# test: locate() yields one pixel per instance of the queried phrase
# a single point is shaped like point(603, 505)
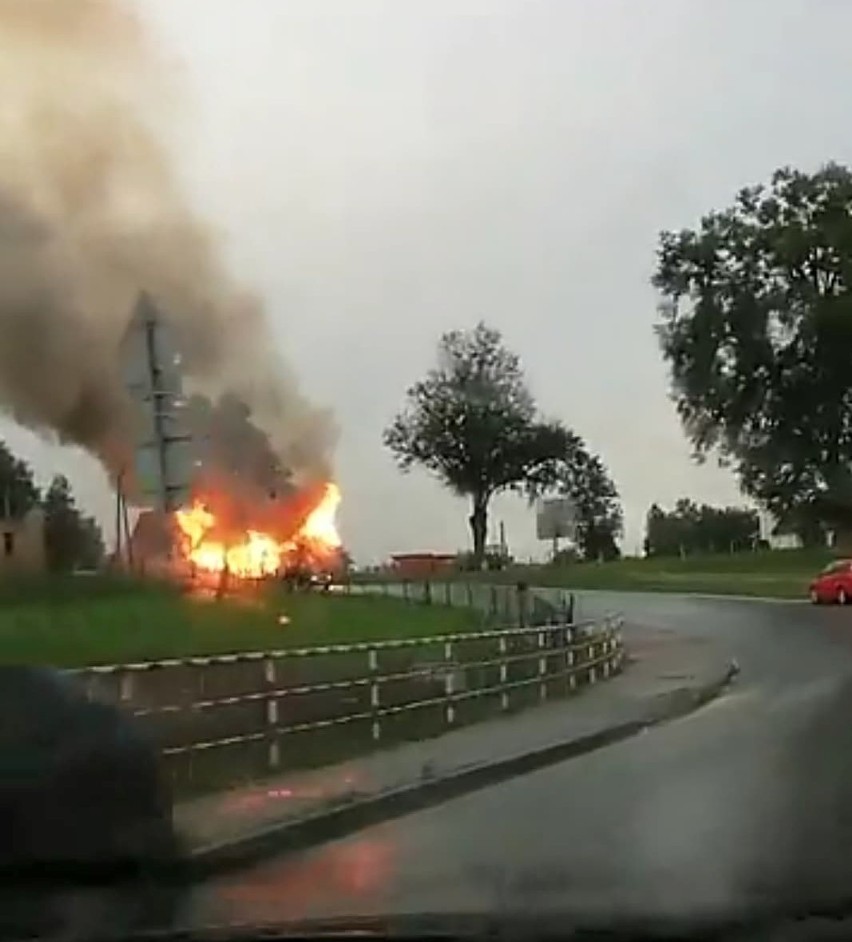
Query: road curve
point(748, 801)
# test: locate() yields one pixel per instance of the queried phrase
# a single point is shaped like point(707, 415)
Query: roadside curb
point(345, 818)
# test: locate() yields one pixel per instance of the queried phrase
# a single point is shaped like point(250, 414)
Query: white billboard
point(556, 519)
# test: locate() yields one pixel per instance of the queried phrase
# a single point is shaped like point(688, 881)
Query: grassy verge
point(778, 574)
point(86, 620)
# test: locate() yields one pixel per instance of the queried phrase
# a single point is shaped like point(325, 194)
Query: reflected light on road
point(342, 878)
point(267, 799)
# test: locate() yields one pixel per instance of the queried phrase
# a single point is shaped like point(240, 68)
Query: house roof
point(152, 535)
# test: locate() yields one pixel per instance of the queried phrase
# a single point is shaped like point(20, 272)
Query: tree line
point(689, 529)
point(72, 540)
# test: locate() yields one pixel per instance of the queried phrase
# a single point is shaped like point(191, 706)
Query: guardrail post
point(89, 684)
point(450, 712)
point(373, 663)
point(542, 668)
point(593, 675)
point(427, 592)
point(523, 598)
point(618, 644)
point(125, 687)
point(570, 660)
point(448, 593)
point(504, 673)
point(194, 693)
point(270, 676)
point(469, 592)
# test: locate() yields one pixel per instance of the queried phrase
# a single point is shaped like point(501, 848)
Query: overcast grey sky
point(384, 170)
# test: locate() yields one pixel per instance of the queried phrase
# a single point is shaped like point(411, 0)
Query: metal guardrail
point(265, 700)
point(500, 604)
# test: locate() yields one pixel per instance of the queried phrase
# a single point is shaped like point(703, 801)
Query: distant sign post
point(556, 519)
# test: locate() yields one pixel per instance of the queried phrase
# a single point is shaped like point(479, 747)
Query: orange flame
point(321, 525)
point(256, 554)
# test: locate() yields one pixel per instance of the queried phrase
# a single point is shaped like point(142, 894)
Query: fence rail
point(223, 719)
point(498, 603)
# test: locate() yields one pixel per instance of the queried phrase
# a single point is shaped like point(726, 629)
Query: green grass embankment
point(774, 574)
point(83, 620)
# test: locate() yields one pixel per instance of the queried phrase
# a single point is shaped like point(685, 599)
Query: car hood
point(805, 924)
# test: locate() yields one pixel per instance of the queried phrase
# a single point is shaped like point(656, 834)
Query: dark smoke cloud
point(90, 215)
point(236, 449)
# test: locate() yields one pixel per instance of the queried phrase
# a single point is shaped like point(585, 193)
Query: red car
point(833, 584)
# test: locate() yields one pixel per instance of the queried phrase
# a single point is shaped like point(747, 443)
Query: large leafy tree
point(757, 329)
point(599, 514)
point(18, 492)
point(71, 539)
point(472, 423)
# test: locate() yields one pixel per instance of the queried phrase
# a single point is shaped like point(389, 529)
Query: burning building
point(278, 537)
point(221, 533)
point(221, 499)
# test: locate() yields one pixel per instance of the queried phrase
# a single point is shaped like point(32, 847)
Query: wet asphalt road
point(746, 802)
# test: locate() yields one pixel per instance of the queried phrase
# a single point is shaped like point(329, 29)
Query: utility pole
point(163, 445)
point(123, 543)
point(163, 398)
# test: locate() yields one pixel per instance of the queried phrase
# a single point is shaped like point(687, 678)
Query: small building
point(22, 549)
point(775, 535)
point(152, 536)
point(420, 565)
point(782, 537)
point(151, 544)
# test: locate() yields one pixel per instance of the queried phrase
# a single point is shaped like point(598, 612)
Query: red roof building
point(420, 565)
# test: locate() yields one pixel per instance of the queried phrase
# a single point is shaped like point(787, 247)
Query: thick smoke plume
point(91, 214)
